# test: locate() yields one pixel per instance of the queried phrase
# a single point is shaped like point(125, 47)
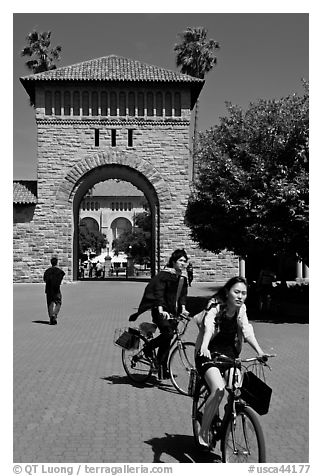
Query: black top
point(162, 291)
point(226, 336)
point(53, 277)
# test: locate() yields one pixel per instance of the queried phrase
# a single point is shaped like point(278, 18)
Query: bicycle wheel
point(136, 365)
point(243, 439)
point(199, 400)
point(181, 361)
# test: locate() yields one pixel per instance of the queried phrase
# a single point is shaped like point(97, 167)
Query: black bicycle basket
point(256, 393)
point(127, 338)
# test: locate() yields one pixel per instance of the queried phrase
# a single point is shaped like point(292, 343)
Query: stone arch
point(103, 166)
point(119, 225)
point(90, 222)
point(66, 189)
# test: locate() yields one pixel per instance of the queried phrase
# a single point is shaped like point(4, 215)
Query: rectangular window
point(149, 104)
point(85, 103)
point(104, 103)
point(131, 104)
point(97, 137)
point(113, 137)
point(168, 104)
point(76, 103)
point(67, 103)
point(57, 103)
point(130, 137)
point(113, 104)
point(159, 104)
point(122, 111)
point(94, 103)
point(140, 104)
point(48, 105)
point(177, 104)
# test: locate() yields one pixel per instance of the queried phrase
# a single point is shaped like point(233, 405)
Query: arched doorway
point(126, 173)
point(120, 226)
point(90, 223)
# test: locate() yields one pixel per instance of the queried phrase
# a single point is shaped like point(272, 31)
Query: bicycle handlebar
point(258, 358)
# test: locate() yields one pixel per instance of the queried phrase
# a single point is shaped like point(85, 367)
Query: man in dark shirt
point(53, 277)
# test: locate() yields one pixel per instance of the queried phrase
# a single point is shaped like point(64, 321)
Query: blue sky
point(261, 55)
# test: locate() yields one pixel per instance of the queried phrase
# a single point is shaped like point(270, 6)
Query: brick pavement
point(73, 402)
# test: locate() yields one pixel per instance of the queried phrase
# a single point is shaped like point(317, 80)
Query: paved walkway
point(73, 402)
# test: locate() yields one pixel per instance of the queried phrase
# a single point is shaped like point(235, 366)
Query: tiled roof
point(24, 191)
point(112, 68)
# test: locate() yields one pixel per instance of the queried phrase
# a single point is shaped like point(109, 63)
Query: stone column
point(299, 273)
point(242, 267)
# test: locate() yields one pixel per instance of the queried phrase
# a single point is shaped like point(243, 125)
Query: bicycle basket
point(256, 393)
point(127, 338)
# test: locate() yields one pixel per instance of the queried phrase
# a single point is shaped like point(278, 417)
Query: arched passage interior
point(126, 173)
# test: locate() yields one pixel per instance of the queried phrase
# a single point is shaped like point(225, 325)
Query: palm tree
point(42, 56)
point(196, 57)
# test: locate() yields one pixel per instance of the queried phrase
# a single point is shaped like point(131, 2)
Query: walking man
point(53, 277)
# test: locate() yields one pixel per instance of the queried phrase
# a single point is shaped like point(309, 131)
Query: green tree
point(251, 195)
point(90, 240)
point(42, 55)
point(137, 241)
point(196, 57)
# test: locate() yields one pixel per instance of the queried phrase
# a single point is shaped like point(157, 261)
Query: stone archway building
point(102, 119)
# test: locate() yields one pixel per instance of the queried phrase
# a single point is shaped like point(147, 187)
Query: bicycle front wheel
point(136, 365)
point(181, 362)
point(243, 439)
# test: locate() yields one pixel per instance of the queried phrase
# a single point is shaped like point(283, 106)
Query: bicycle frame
point(234, 401)
point(234, 398)
point(177, 341)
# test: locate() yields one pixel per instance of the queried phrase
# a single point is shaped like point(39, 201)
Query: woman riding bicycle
point(223, 328)
point(166, 296)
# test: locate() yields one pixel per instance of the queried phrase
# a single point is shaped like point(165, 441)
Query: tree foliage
point(90, 239)
point(195, 53)
point(137, 241)
point(42, 55)
point(251, 194)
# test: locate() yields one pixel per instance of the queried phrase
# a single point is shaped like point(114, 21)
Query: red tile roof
point(24, 191)
point(112, 68)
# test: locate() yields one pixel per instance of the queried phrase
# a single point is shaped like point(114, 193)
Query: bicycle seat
point(147, 328)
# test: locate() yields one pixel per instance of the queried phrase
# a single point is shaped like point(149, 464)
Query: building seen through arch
point(110, 207)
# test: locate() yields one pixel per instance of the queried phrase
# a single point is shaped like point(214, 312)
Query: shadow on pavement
point(180, 447)
point(152, 382)
point(41, 322)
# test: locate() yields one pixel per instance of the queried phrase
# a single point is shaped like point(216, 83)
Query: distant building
point(110, 207)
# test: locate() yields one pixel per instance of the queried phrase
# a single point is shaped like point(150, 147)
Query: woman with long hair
point(223, 328)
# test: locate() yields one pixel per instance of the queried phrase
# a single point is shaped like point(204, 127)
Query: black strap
point(179, 289)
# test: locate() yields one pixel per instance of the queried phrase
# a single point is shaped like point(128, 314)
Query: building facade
point(111, 118)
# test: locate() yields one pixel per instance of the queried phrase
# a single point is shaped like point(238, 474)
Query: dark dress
point(162, 291)
point(224, 342)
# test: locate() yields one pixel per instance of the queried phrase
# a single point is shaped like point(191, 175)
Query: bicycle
point(140, 367)
point(238, 431)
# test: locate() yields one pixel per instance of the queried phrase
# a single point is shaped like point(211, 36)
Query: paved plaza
point(73, 402)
